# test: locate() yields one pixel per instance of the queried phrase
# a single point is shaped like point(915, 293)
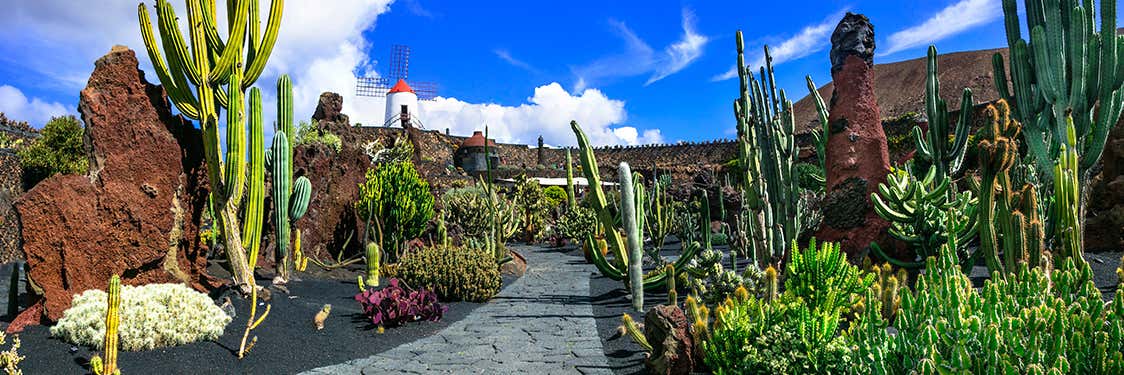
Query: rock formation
point(1104, 228)
point(672, 344)
point(857, 154)
point(135, 212)
point(335, 178)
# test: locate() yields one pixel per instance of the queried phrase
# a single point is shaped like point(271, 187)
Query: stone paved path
point(541, 324)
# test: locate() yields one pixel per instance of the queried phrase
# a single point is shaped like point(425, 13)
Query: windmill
point(401, 93)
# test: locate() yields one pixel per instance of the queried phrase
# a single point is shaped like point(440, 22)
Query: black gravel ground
point(288, 342)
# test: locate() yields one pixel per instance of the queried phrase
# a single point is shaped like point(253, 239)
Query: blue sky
point(630, 71)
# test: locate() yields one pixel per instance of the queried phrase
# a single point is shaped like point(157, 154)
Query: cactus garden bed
point(287, 343)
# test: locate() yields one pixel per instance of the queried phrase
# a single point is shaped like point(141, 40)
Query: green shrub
point(152, 316)
point(555, 196)
point(396, 199)
point(454, 273)
point(312, 134)
point(59, 149)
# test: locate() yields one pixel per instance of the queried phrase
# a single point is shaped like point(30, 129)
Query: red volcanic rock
point(135, 212)
point(666, 328)
point(331, 217)
point(857, 154)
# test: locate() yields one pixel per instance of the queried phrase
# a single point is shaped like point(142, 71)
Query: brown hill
point(901, 85)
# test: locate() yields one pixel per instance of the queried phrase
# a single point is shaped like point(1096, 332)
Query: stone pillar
point(541, 160)
point(857, 155)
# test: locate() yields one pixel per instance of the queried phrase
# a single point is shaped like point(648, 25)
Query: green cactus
point(767, 155)
point(255, 206)
point(916, 207)
point(571, 195)
point(596, 196)
point(399, 202)
point(1068, 70)
point(933, 148)
point(631, 216)
point(442, 231)
point(1008, 216)
point(290, 198)
point(635, 332)
point(1067, 217)
point(672, 293)
point(660, 212)
point(220, 74)
point(819, 136)
point(373, 254)
point(108, 366)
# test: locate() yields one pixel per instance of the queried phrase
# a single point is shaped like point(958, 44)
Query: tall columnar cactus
point(112, 322)
point(1008, 216)
point(659, 212)
point(290, 199)
point(616, 271)
point(631, 219)
point(255, 212)
point(1068, 69)
point(597, 195)
point(819, 136)
point(219, 71)
point(933, 147)
point(571, 195)
point(767, 153)
point(1067, 219)
point(373, 254)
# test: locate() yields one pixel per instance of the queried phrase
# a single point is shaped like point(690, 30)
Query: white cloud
point(548, 113)
point(950, 21)
point(811, 39)
point(320, 44)
point(17, 106)
point(682, 53)
point(505, 55)
point(639, 58)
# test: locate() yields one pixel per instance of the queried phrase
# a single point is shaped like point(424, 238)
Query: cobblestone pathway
point(541, 324)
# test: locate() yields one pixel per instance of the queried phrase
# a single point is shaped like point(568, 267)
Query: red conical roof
point(477, 140)
point(401, 86)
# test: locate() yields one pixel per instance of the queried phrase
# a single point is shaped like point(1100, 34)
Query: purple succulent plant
point(393, 305)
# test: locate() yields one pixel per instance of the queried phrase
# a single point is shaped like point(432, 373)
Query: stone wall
point(11, 187)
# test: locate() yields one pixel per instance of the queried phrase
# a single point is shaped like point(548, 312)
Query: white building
point(401, 104)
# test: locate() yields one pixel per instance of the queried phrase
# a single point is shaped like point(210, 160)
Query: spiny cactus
point(916, 210)
point(635, 332)
point(373, 254)
point(615, 244)
point(252, 322)
point(933, 148)
point(631, 220)
point(596, 196)
point(108, 366)
point(571, 197)
point(1067, 195)
point(290, 198)
point(1069, 71)
point(1008, 216)
point(220, 72)
point(672, 293)
point(767, 154)
point(819, 136)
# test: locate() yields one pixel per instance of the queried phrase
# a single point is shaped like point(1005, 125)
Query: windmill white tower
point(402, 98)
point(401, 105)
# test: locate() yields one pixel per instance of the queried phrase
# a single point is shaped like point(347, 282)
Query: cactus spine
point(373, 255)
point(933, 148)
point(571, 195)
point(767, 153)
point(635, 332)
point(1008, 217)
point(631, 219)
point(207, 66)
